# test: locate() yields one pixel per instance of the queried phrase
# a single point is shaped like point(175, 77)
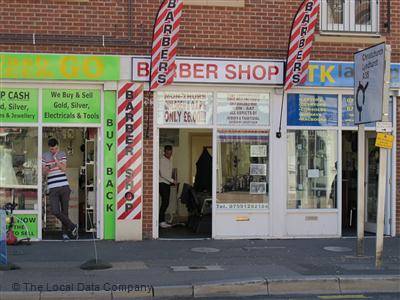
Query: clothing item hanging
point(7, 174)
point(203, 178)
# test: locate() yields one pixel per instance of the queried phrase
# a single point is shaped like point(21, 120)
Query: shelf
point(90, 180)
point(19, 186)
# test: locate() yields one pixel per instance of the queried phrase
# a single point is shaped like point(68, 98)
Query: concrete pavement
point(199, 268)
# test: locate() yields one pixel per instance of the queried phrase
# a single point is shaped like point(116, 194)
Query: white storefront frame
point(214, 89)
point(277, 221)
point(296, 216)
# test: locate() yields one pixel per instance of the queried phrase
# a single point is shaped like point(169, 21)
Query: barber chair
point(199, 208)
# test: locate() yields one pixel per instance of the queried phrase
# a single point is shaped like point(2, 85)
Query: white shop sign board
point(221, 70)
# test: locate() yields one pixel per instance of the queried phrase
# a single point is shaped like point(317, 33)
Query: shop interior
point(242, 177)
point(312, 169)
point(80, 146)
point(349, 183)
point(18, 167)
point(189, 211)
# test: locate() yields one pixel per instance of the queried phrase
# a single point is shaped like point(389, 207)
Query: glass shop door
point(371, 187)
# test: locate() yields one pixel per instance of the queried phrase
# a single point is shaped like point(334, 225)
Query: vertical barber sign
point(165, 42)
point(130, 152)
point(300, 43)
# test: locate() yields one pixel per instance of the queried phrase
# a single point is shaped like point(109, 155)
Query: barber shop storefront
point(235, 179)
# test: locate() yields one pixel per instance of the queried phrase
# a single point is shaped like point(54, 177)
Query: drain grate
point(196, 268)
point(337, 249)
point(205, 250)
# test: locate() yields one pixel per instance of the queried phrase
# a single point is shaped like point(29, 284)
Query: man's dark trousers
point(164, 189)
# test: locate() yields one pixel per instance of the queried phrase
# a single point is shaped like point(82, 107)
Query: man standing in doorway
point(165, 182)
point(54, 164)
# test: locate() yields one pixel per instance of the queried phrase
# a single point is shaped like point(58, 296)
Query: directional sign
point(368, 84)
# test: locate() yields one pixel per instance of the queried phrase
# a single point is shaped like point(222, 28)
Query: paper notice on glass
point(258, 169)
point(258, 150)
point(312, 173)
point(258, 187)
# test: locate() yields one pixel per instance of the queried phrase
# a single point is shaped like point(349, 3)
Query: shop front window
point(18, 166)
point(312, 169)
point(242, 176)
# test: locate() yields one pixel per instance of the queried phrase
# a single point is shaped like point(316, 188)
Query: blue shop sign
point(341, 74)
point(312, 110)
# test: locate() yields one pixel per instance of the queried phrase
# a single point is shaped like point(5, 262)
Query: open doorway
point(188, 214)
point(349, 184)
point(80, 148)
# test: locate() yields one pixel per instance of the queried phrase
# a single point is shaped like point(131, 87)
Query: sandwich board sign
point(369, 69)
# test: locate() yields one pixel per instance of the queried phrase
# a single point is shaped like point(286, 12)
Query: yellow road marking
point(343, 297)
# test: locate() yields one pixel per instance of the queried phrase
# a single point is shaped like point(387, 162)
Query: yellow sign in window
point(384, 140)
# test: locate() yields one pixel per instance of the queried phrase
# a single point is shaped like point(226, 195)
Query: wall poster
point(184, 108)
point(242, 109)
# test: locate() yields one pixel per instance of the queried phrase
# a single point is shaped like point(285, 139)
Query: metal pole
point(361, 190)
point(383, 153)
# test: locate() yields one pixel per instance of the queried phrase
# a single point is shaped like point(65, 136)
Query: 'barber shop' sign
point(130, 152)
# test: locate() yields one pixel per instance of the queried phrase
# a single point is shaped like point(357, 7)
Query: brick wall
point(148, 167)
point(258, 30)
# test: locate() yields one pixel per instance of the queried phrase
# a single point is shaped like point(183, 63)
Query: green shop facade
point(73, 99)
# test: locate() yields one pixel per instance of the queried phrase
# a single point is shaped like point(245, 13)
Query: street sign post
point(383, 155)
point(371, 78)
point(371, 92)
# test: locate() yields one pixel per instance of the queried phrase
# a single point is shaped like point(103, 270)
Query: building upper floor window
point(349, 16)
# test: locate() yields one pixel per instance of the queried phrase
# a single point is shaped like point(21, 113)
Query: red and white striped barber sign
point(130, 151)
point(165, 42)
point(300, 43)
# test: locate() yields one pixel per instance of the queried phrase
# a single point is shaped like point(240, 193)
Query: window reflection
point(312, 169)
point(363, 12)
point(242, 169)
point(335, 11)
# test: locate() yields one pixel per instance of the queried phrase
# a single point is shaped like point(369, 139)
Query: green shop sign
point(110, 148)
point(71, 106)
point(26, 225)
point(59, 67)
point(18, 105)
